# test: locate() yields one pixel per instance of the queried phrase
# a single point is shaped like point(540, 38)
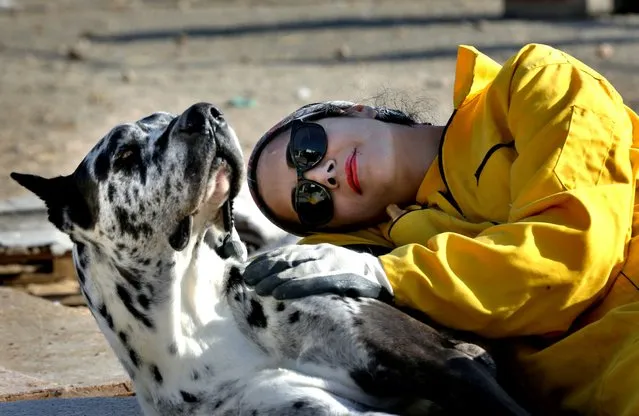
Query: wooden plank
point(64, 266)
point(31, 278)
point(16, 269)
point(63, 288)
point(73, 300)
point(20, 255)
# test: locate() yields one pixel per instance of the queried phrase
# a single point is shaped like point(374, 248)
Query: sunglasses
point(311, 201)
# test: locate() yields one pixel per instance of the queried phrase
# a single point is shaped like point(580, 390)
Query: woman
point(516, 219)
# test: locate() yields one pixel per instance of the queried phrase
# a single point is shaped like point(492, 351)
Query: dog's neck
point(151, 309)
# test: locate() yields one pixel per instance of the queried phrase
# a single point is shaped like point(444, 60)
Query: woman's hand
point(297, 271)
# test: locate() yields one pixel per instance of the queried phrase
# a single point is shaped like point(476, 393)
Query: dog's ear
point(181, 235)
point(65, 204)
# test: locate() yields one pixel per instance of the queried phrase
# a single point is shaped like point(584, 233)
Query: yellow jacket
point(523, 220)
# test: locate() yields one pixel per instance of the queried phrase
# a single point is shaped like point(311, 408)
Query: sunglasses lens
point(313, 204)
point(308, 145)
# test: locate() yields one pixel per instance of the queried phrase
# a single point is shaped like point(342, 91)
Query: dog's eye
point(125, 157)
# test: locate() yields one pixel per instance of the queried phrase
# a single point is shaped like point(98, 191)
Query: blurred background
point(70, 70)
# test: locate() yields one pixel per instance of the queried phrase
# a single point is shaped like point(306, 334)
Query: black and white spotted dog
point(193, 337)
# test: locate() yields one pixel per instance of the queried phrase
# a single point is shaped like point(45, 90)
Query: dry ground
point(71, 69)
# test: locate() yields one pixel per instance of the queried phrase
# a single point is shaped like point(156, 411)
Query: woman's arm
point(572, 191)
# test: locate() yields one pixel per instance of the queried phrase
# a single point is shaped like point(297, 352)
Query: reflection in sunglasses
point(313, 198)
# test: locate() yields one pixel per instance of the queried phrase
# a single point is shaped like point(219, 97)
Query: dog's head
point(154, 182)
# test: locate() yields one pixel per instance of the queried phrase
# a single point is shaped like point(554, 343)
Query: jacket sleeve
point(572, 192)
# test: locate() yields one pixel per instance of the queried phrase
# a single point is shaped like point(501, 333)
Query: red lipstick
point(351, 172)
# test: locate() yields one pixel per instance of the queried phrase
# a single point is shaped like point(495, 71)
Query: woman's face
point(359, 170)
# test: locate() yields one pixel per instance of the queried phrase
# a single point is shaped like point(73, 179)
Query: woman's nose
point(324, 173)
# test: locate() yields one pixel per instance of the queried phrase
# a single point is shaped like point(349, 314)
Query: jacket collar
point(473, 72)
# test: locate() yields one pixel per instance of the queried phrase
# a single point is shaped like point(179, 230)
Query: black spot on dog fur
point(146, 229)
point(294, 317)
point(280, 306)
point(111, 192)
point(188, 397)
point(102, 166)
point(124, 338)
point(130, 276)
point(195, 375)
point(156, 374)
point(167, 189)
point(135, 359)
point(256, 317)
point(126, 226)
point(81, 276)
point(87, 298)
point(150, 289)
point(358, 321)
point(299, 404)
point(81, 251)
point(143, 300)
point(125, 297)
point(142, 170)
point(104, 312)
point(234, 280)
point(172, 348)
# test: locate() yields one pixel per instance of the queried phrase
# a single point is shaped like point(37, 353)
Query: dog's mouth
point(226, 170)
point(224, 177)
point(214, 169)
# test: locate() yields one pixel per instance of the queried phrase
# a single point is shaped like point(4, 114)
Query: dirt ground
point(71, 69)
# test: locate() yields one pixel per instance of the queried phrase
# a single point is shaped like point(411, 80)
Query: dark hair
point(310, 112)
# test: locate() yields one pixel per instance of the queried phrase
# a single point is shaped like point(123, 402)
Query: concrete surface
point(96, 406)
point(44, 346)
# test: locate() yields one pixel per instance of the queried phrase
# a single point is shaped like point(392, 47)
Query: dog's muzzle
point(202, 116)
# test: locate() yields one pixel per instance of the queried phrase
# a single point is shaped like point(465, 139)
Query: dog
point(160, 265)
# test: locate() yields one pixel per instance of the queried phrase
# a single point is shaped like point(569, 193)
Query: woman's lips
point(351, 172)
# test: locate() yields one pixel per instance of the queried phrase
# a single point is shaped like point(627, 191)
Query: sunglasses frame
point(296, 125)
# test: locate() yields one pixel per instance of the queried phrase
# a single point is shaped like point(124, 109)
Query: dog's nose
point(194, 119)
point(216, 112)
